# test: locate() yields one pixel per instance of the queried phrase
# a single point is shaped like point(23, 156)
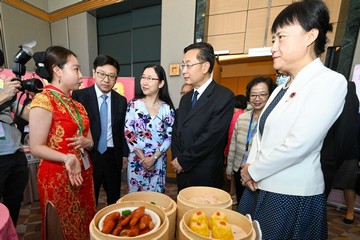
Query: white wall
point(82, 39)
point(19, 27)
point(177, 32)
point(79, 34)
point(59, 33)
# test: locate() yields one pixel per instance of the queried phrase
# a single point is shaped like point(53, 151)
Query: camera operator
point(14, 171)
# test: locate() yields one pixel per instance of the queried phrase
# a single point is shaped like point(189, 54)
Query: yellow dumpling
point(217, 216)
point(222, 230)
point(200, 228)
point(199, 216)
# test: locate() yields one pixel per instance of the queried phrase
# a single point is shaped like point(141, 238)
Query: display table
point(7, 228)
point(31, 193)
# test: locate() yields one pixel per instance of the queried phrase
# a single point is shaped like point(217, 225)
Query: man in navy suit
point(109, 153)
point(202, 122)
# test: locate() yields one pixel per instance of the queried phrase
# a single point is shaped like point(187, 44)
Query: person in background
point(283, 176)
point(258, 91)
point(110, 152)
point(60, 134)
point(239, 108)
point(148, 128)
point(202, 122)
point(281, 78)
point(186, 88)
point(347, 174)
point(14, 172)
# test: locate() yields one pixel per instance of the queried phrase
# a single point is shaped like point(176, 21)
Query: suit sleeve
point(214, 134)
point(175, 148)
point(125, 149)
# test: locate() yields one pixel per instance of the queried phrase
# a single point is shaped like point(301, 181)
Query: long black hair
point(164, 91)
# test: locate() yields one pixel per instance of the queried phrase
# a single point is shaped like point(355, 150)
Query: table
point(31, 193)
point(7, 228)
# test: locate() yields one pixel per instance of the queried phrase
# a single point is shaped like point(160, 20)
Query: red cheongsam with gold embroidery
point(75, 205)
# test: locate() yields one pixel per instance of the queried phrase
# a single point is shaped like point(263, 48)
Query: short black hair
point(206, 53)
point(104, 59)
point(309, 14)
point(240, 102)
point(260, 79)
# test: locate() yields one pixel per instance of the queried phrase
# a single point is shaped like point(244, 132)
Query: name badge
point(85, 160)
point(245, 157)
point(2, 132)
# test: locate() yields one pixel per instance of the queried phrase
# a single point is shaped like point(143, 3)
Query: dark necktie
point(103, 119)
point(194, 98)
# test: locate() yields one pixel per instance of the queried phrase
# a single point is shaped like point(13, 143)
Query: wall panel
point(232, 42)
point(255, 29)
point(226, 6)
point(227, 23)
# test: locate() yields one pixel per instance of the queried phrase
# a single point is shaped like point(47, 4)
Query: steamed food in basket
point(217, 227)
point(129, 222)
point(207, 199)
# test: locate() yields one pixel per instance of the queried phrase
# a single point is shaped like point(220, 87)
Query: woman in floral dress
point(148, 128)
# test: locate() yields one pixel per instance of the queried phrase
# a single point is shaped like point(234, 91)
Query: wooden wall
point(237, 25)
point(236, 75)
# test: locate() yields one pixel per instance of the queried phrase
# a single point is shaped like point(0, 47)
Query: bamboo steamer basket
point(160, 233)
point(234, 218)
point(184, 204)
point(165, 202)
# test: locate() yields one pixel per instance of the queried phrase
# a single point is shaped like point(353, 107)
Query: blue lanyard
point(250, 133)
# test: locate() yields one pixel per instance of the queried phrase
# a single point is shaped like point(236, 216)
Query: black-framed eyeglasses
point(149, 78)
point(102, 75)
point(262, 96)
point(189, 66)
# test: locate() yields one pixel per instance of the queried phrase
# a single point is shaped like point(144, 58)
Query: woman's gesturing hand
point(73, 167)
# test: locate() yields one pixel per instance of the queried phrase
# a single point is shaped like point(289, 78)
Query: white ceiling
point(52, 5)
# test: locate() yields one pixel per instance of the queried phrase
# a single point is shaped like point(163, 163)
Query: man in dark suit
point(202, 122)
point(106, 109)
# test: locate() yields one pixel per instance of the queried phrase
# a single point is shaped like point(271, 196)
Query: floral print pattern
point(150, 135)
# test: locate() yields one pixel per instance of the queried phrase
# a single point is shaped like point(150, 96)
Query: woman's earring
point(59, 80)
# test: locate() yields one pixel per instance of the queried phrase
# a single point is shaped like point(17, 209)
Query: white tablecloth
point(31, 193)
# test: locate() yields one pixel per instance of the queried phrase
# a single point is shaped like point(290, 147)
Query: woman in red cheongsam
point(60, 135)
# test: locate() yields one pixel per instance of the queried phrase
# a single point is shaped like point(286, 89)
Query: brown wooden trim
point(26, 7)
point(80, 7)
point(62, 13)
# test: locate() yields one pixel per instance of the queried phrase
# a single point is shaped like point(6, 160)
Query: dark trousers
point(14, 175)
point(238, 186)
point(107, 171)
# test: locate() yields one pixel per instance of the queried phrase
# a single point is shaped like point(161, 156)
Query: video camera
point(21, 58)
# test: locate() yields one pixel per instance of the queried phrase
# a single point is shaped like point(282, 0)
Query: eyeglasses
point(261, 96)
point(189, 66)
point(149, 78)
point(102, 75)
